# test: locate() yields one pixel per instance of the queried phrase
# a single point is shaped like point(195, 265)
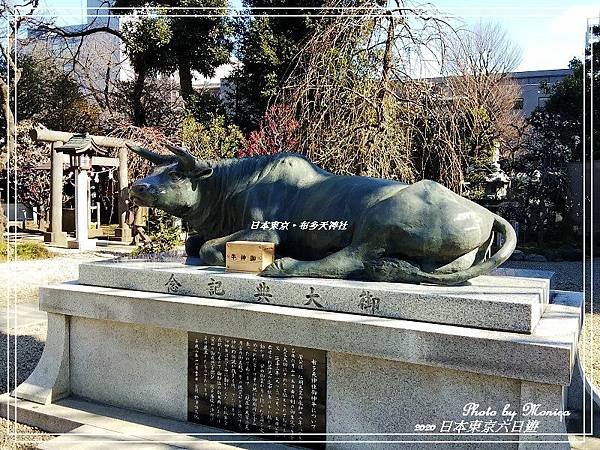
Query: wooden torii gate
point(61, 153)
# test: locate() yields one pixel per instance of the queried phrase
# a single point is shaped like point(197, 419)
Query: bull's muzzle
point(142, 194)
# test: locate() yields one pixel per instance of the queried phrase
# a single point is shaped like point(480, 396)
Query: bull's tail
point(388, 269)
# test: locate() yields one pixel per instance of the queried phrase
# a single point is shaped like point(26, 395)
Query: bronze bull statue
point(395, 232)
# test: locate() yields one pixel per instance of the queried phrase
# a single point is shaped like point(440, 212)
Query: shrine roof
point(82, 143)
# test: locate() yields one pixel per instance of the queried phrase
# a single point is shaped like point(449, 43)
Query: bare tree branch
point(58, 31)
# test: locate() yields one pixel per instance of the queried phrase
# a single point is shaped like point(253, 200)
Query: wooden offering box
point(248, 256)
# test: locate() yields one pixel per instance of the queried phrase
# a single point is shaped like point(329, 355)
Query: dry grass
point(24, 251)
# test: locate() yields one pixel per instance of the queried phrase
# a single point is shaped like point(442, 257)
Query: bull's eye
point(174, 175)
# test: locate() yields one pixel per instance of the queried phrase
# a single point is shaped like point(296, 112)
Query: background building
point(532, 95)
point(101, 60)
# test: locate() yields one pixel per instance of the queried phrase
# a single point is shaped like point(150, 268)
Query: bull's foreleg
point(345, 263)
point(212, 252)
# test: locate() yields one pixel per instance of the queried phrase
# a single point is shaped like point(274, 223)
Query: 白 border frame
point(153, 12)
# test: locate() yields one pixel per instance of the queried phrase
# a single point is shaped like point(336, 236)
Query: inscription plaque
point(257, 387)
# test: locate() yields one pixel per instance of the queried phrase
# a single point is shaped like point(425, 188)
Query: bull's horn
point(150, 156)
point(185, 159)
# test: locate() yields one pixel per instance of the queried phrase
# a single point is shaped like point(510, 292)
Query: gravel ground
point(23, 279)
point(569, 277)
point(567, 274)
point(30, 344)
point(13, 434)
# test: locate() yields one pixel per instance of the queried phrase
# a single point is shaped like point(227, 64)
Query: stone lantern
point(497, 183)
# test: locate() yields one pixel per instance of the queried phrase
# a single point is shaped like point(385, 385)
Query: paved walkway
point(21, 279)
point(21, 316)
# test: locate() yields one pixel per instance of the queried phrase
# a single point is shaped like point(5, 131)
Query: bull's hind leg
point(392, 270)
point(345, 263)
point(349, 263)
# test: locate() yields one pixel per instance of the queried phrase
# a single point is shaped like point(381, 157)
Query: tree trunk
point(5, 90)
point(385, 73)
point(139, 114)
point(10, 145)
point(185, 78)
point(540, 237)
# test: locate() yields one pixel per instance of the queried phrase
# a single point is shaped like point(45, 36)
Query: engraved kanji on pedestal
point(368, 302)
point(172, 284)
point(313, 297)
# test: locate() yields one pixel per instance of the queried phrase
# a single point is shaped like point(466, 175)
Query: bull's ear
point(202, 172)
point(198, 174)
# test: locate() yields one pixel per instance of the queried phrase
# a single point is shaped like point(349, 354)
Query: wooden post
point(56, 235)
point(124, 231)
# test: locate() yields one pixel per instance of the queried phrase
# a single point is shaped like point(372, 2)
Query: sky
point(550, 32)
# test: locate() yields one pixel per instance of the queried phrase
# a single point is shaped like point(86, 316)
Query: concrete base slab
point(578, 442)
point(81, 424)
point(385, 376)
point(552, 346)
point(88, 425)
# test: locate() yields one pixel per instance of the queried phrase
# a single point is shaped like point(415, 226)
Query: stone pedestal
point(127, 334)
point(87, 244)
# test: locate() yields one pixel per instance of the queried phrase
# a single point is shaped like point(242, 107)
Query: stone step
point(83, 424)
point(497, 353)
point(87, 437)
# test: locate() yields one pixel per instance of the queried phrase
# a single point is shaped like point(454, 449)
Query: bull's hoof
point(275, 269)
point(211, 256)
